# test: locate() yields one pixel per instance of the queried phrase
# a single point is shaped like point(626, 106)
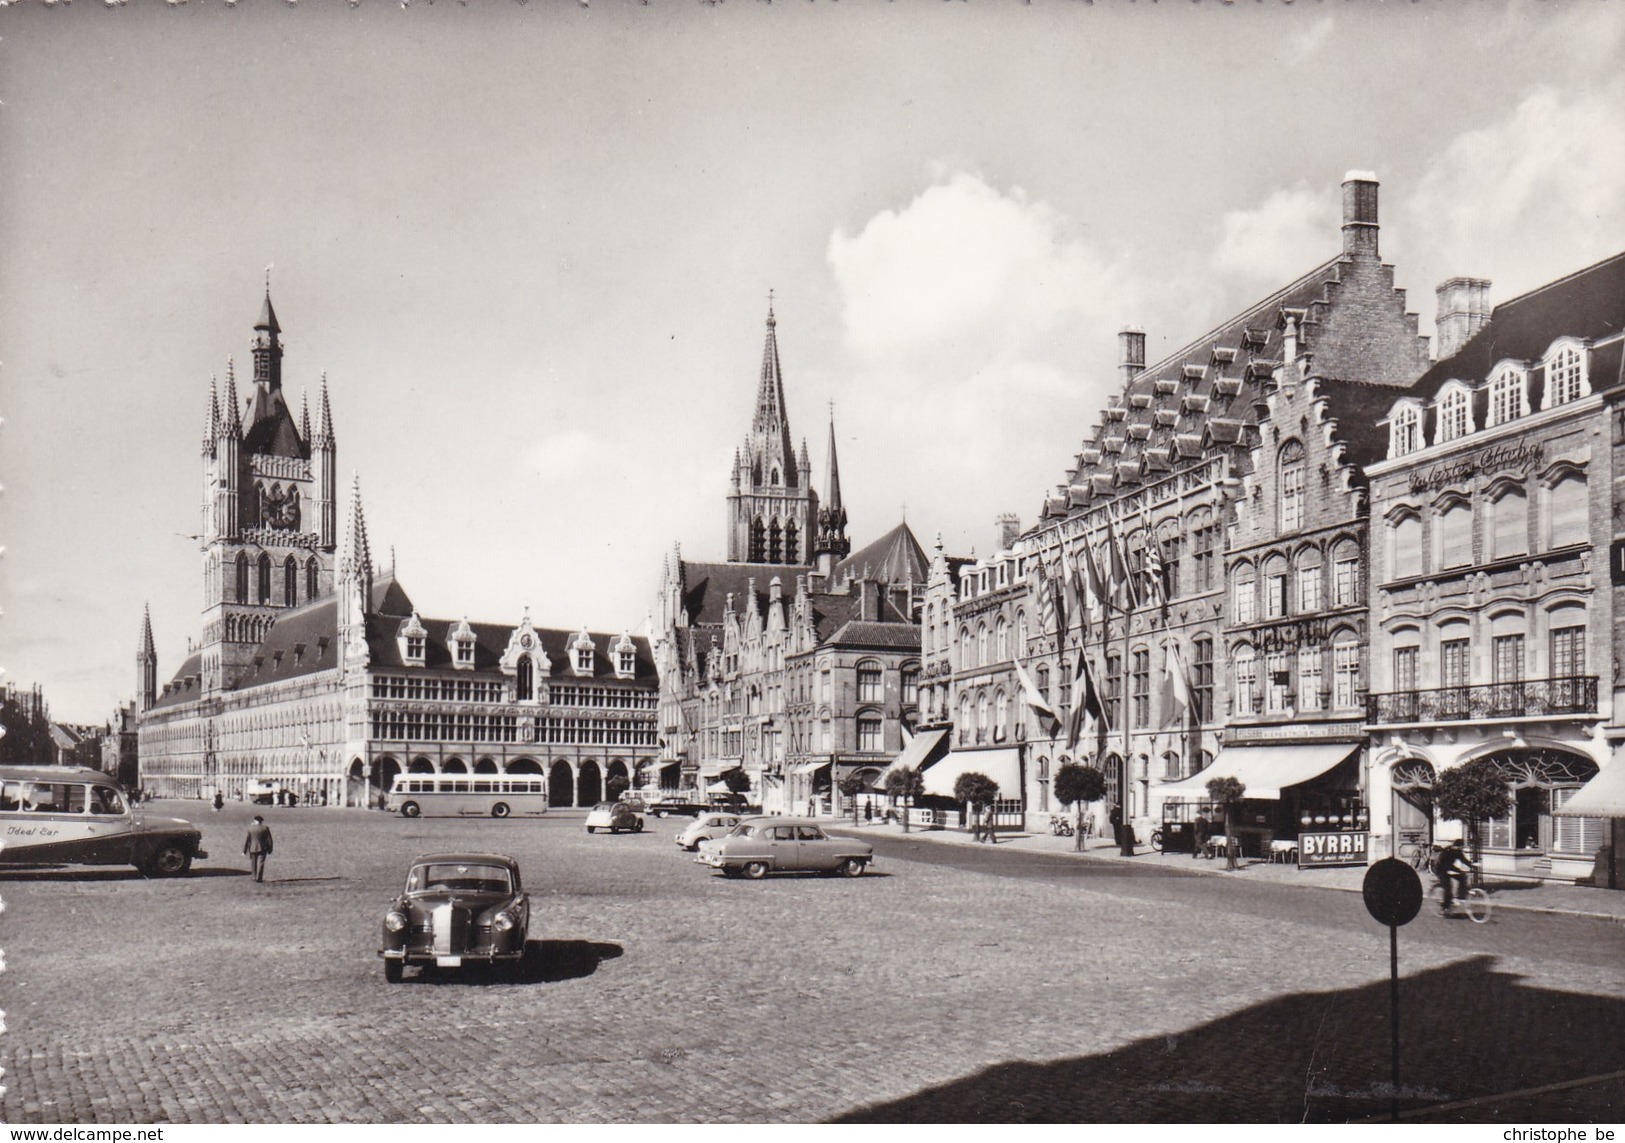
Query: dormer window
point(581, 652)
point(460, 641)
point(1405, 431)
point(1508, 397)
point(413, 641)
point(1455, 414)
point(1565, 376)
point(626, 657)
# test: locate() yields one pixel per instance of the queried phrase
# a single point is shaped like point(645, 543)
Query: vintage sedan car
point(678, 807)
point(615, 817)
point(457, 909)
point(704, 828)
point(759, 846)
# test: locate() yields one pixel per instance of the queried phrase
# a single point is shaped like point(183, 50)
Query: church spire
point(831, 545)
point(146, 664)
point(234, 418)
point(211, 422)
point(770, 446)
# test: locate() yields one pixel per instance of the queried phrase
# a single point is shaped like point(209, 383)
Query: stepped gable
point(706, 587)
point(894, 558)
point(1589, 303)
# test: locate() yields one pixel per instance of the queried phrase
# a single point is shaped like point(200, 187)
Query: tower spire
point(146, 629)
point(831, 545)
point(324, 419)
point(211, 424)
point(770, 427)
point(234, 418)
point(304, 416)
point(146, 664)
point(357, 554)
point(267, 343)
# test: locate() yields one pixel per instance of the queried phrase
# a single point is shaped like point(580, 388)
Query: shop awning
point(1602, 797)
point(809, 767)
point(1003, 766)
point(1264, 770)
point(923, 749)
point(719, 788)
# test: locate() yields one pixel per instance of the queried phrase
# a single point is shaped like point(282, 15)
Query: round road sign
point(1393, 892)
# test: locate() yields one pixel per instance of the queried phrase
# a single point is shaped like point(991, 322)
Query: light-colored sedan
point(614, 817)
point(758, 846)
point(704, 828)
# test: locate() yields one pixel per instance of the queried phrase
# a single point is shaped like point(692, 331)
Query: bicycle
point(1475, 902)
point(1156, 839)
point(1419, 855)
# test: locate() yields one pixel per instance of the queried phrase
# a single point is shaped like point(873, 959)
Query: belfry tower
point(772, 509)
point(268, 512)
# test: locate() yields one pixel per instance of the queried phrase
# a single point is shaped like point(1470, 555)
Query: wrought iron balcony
point(1530, 698)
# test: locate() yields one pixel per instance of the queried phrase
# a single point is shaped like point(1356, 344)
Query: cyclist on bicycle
point(1451, 867)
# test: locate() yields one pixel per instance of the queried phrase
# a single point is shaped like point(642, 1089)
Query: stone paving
point(659, 992)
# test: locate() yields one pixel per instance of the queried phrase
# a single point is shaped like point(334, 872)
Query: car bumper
point(418, 956)
point(200, 854)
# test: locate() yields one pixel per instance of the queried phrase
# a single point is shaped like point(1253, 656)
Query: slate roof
point(270, 425)
point(881, 636)
point(1360, 411)
point(706, 587)
point(491, 641)
point(894, 558)
point(185, 686)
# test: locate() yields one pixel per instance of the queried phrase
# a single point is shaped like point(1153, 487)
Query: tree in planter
point(1079, 786)
point(1470, 793)
point(979, 792)
point(1227, 792)
point(904, 785)
point(615, 787)
point(851, 787)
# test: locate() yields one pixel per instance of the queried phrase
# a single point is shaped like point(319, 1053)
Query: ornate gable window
point(413, 641)
point(460, 641)
point(1509, 398)
point(1292, 494)
point(626, 657)
point(1565, 375)
point(1404, 430)
point(1455, 413)
point(581, 653)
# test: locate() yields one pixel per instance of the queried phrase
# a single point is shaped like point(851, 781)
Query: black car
point(677, 808)
point(457, 909)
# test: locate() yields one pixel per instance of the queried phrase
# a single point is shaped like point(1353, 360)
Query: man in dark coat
point(1203, 831)
point(258, 846)
point(1116, 818)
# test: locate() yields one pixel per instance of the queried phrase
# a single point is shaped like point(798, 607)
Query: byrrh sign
point(1486, 461)
point(1349, 848)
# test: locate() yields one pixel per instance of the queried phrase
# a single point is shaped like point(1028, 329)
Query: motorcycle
point(1060, 827)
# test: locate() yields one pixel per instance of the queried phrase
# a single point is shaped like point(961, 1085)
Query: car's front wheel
point(592, 829)
point(755, 870)
point(500, 810)
point(638, 828)
point(394, 970)
point(410, 810)
point(852, 867)
point(169, 861)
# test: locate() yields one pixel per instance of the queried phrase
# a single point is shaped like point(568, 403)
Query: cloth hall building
point(317, 673)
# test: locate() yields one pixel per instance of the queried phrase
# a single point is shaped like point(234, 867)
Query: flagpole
point(1125, 839)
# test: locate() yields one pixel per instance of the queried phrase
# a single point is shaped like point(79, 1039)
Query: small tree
point(1469, 794)
point(737, 781)
point(615, 787)
point(851, 787)
point(978, 791)
point(1227, 792)
point(1079, 786)
point(903, 784)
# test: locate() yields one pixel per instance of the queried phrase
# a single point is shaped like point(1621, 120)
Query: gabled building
point(796, 660)
point(1495, 621)
point(318, 673)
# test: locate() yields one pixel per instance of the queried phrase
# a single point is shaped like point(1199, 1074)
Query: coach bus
point(468, 795)
point(61, 815)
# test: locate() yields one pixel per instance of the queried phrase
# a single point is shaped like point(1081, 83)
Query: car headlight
point(395, 921)
point(502, 922)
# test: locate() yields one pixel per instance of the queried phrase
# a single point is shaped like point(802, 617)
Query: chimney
point(1009, 526)
point(1130, 352)
point(1464, 309)
point(869, 600)
point(1360, 213)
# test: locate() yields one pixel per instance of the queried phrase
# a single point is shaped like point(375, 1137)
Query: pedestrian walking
point(1116, 818)
point(992, 829)
point(258, 846)
point(219, 801)
point(976, 823)
point(1203, 831)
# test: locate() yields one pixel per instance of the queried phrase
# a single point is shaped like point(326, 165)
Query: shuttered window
point(1575, 835)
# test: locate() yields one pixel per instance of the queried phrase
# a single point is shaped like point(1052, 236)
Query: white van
point(59, 815)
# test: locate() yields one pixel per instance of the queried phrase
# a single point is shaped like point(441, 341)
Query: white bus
point(468, 795)
point(60, 815)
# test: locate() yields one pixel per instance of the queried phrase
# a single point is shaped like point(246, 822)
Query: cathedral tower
point(146, 665)
point(772, 509)
point(268, 532)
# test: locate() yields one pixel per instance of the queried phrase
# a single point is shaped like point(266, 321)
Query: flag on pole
point(1047, 720)
point(1087, 713)
point(1176, 688)
point(1057, 591)
point(1156, 576)
point(1074, 594)
point(1097, 584)
point(1116, 570)
point(1041, 594)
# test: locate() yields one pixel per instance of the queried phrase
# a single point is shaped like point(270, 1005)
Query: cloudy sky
point(531, 247)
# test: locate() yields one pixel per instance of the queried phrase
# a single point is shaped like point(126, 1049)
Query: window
point(1063, 700)
point(1292, 493)
point(983, 721)
point(824, 736)
point(1507, 401)
point(1346, 675)
point(1455, 418)
point(1565, 379)
point(981, 645)
point(1508, 659)
point(312, 578)
point(1568, 652)
point(1575, 835)
point(242, 577)
point(1456, 536)
point(869, 683)
point(967, 650)
point(964, 718)
point(265, 578)
point(290, 582)
point(1001, 717)
point(869, 730)
point(415, 645)
point(525, 679)
point(1246, 681)
point(1202, 555)
point(1202, 683)
point(1405, 552)
point(1142, 688)
point(1509, 524)
point(1310, 683)
point(1455, 662)
point(911, 686)
point(1278, 692)
point(825, 687)
point(1568, 509)
point(1405, 679)
point(1309, 587)
point(1246, 596)
point(1002, 639)
point(1275, 594)
point(1404, 431)
point(1346, 579)
point(1114, 690)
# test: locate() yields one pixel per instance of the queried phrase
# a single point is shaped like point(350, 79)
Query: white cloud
point(1531, 197)
point(1281, 238)
point(561, 458)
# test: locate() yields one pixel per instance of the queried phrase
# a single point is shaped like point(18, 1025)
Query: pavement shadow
point(1466, 1033)
point(109, 873)
point(544, 962)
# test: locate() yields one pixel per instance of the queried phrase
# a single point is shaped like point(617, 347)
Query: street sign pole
point(1393, 896)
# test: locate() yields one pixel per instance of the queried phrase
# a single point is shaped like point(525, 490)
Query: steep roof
point(491, 641)
point(706, 587)
point(1359, 410)
point(271, 428)
point(185, 686)
point(881, 636)
point(894, 558)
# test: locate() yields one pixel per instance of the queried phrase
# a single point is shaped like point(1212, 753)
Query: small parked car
point(758, 846)
point(706, 827)
point(456, 909)
point(679, 807)
point(615, 817)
